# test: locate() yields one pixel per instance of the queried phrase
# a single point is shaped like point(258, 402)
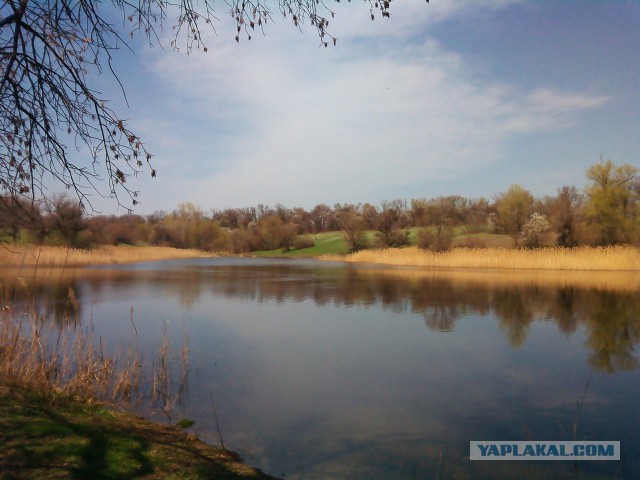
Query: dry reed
point(165, 390)
point(63, 360)
point(67, 359)
point(42, 255)
point(582, 258)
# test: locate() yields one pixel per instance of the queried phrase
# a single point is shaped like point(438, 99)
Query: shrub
point(439, 242)
point(303, 241)
point(472, 242)
point(393, 238)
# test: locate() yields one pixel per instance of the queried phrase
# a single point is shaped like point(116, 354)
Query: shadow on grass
point(41, 438)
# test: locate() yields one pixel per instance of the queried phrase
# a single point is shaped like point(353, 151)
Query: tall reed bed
point(66, 358)
point(581, 258)
point(43, 255)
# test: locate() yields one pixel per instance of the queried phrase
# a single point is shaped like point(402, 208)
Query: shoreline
point(578, 259)
point(76, 437)
point(52, 256)
point(586, 259)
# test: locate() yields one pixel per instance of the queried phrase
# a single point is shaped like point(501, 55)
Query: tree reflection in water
point(609, 311)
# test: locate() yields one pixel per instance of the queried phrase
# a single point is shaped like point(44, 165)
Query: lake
point(318, 370)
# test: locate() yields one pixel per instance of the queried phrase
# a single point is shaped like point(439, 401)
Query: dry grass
point(66, 359)
point(24, 255)
point(582, 258)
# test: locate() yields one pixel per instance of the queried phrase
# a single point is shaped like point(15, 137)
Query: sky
point(452, 97)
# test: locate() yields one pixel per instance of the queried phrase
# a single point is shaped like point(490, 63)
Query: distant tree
point(444, 212)
point(302, 219)
point(282, 212)
point(247, 216)
point(514, 207)
point(240, 240)
point(612, 205)
point(189, 212)
point(321, 217)
point(228, 218)
point(399, 206)
point(271, 233)
point(476, 214)
point(156, 217)
point(369, 215)
point(440, 241)
point(390, 232)
point(355, 231)
point(537, 225)
point(51, 49)
point(65, 218)
point(208, 235)
point(564, 216)
point(418, 212)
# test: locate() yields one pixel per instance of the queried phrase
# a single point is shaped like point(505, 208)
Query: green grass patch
point(325, 243)
point(185, 423)
point(333, 243)
point(44, 437)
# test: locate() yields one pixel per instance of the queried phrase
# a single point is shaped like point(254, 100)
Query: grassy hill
point(333, 243)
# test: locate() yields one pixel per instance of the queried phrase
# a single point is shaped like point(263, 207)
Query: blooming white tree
point(534, 228)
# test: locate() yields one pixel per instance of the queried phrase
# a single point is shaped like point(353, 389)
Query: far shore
point(616, 258)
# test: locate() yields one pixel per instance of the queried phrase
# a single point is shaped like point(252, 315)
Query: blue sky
point(454, 97)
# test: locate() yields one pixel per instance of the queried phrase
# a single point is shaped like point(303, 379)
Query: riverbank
point(43, 255)
point(619, 258)
point(59, 385)
point(53, 437)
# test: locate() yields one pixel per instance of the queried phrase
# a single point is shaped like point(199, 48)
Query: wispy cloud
point(302, 125)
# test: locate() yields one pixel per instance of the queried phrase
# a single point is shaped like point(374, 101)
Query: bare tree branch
point(49, 48)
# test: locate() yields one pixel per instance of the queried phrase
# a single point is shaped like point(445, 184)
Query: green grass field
point(333, 243)
point(325, 243)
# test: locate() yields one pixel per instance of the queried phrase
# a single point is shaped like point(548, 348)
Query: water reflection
point(608, 310)
point(49, 297)
point(329, 371)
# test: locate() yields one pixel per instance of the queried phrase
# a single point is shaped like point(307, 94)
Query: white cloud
point(356, 122)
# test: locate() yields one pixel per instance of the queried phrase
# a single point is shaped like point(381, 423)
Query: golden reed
point(617, 258)
point(24, 255)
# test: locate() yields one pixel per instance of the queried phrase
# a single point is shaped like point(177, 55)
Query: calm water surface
point(321, 370)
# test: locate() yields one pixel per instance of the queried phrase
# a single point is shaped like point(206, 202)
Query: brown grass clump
point(42, 255)
point(581, 258)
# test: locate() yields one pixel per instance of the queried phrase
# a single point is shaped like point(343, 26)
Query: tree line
point(605, 212)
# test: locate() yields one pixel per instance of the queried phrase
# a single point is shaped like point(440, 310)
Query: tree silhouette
point(51, 49)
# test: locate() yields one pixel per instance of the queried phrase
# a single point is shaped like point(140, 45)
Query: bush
point(240, 240)
point(303, 242)
point(439, 242)
point(393, 238)
point(472, 242)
